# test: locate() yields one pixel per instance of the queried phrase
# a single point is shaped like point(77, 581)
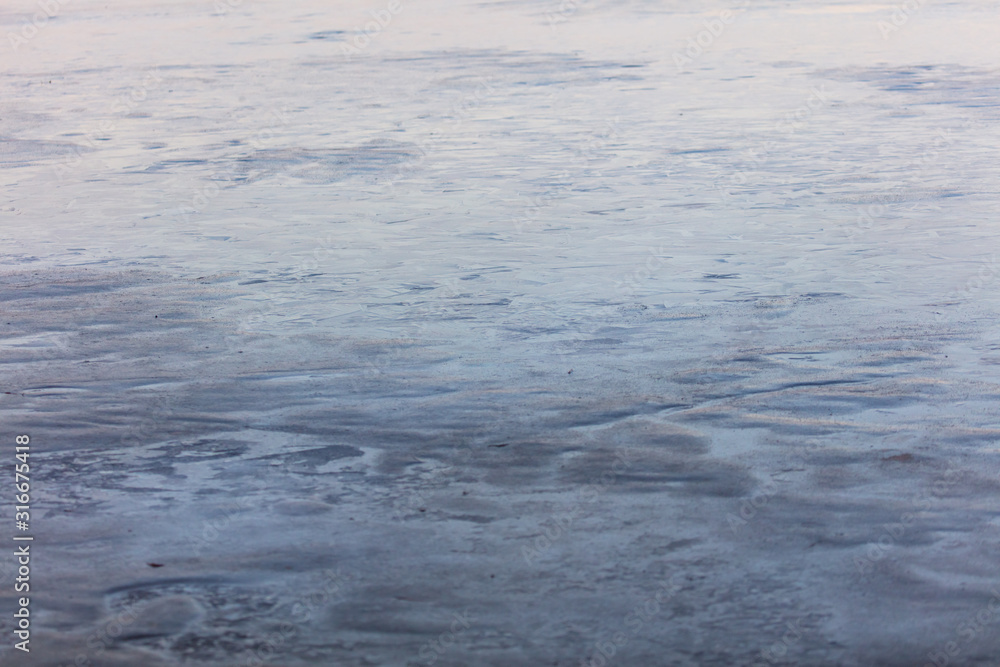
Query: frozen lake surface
point(503, 333)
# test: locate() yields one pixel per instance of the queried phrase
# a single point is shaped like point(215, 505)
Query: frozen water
point(506, 333)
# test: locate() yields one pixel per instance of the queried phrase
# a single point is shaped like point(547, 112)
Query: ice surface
point(525, 332)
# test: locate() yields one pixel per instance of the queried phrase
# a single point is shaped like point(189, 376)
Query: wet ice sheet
point(507, 328)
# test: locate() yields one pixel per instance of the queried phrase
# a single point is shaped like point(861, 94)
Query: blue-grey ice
point(568, 332)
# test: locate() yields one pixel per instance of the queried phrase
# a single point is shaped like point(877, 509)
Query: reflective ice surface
point(528, 333)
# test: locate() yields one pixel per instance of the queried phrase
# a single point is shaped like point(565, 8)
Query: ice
point(526, 333)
